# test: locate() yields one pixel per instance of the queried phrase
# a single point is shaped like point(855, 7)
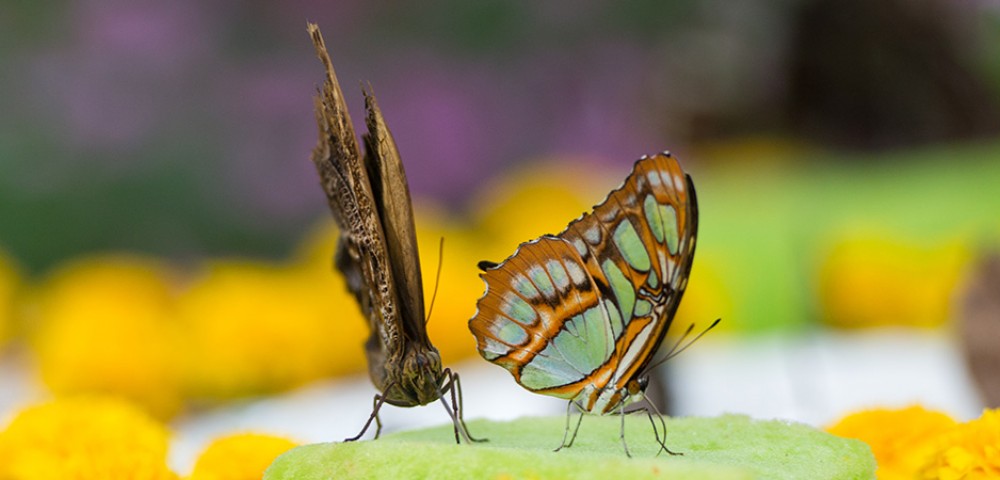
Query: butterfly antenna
point(678, 348)
point(677, 351)
point(437, 280)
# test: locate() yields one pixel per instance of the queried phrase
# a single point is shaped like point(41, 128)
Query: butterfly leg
point(621, 433)
point(656, 431)
point(455, 410)
point(452, 412)
point(576, 429)
point(377, 406)
point(377, 403)
point(650, 409)
point(460, 405)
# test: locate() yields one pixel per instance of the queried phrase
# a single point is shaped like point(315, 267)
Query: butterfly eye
point(639, 386)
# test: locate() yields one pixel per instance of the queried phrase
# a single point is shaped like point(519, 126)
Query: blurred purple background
point(184, 128)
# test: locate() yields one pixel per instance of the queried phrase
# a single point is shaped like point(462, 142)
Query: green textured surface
point(726, 447)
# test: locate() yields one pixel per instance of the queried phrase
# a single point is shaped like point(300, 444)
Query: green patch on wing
point(628, 242)
point(621, 286)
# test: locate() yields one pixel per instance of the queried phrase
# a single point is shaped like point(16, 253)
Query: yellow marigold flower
point(242, 456)
point(970, 452)
point(84, 439)
point(871, 281)
point(902, 440)
point(9, 283)
point(255, 328)
point(105, 325)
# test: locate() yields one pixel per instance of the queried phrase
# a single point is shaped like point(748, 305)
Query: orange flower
point(902, 440)
point(970, 452)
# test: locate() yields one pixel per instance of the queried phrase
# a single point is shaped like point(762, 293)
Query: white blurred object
point(819, 378)
point(336, 410)
point(19, 386)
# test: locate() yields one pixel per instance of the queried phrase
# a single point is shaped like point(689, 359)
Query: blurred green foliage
point(768, 225)
point(164, 209)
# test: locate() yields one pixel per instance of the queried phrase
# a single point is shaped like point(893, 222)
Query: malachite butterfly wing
point(377, 251)
point(580, 315)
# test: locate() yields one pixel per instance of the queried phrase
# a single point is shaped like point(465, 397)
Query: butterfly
point(580, 315)
point(377, 252)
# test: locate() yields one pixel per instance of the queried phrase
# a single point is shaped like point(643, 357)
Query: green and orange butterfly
point(581, 315)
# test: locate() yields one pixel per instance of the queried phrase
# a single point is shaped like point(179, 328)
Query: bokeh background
point(164, 238)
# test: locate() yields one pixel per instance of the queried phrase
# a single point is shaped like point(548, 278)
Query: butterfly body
point(377, 250)
point(580, 315)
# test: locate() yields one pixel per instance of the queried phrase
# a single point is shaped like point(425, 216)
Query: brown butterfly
point(377, 253)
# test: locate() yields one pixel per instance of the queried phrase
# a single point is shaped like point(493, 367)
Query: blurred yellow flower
point(970, 452)
point(254, 328)
point(9, 283)
point(873, 281)
point(315, 252)
point(242, 456)
point(902, 440)
point(529, 204)
point(706, 299)
point(85, 438)
point(105, 325)
point(313, 265)
point(459, 287)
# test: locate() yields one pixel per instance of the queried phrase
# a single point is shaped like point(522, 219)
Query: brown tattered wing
point(583, 312)
point(376, 251)
point(348, 190)
point(392, 197)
